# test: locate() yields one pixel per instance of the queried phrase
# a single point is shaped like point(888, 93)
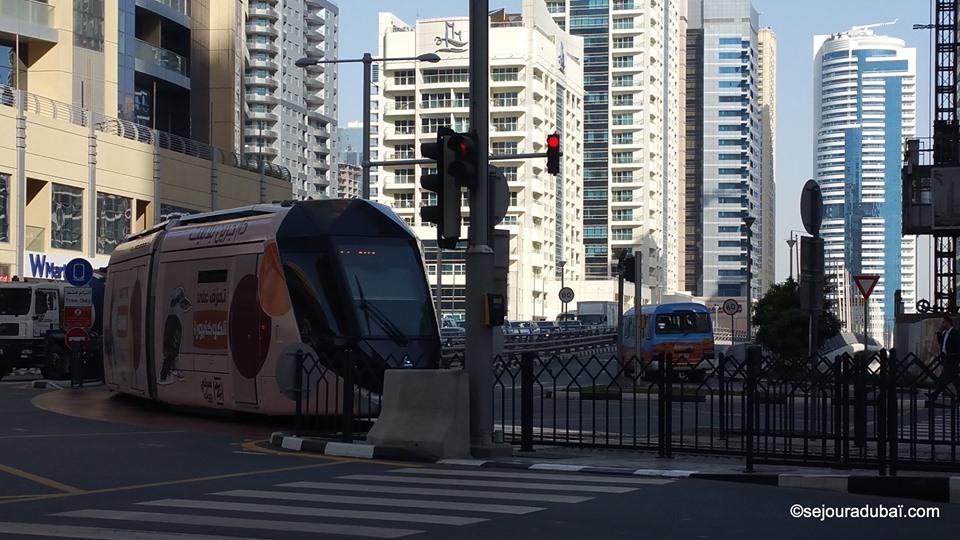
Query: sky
point(794, 23)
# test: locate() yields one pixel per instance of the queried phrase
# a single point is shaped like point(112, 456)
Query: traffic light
point(553, 153)
point(464, 164)
point(446, 213)
point(627, 266)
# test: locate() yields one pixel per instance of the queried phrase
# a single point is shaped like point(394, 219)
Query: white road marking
point(241, 523)
point(98, 533)
point(379, 501)
point(470, 494)
point(586, 478)
point(485, 483)
point(315, 512)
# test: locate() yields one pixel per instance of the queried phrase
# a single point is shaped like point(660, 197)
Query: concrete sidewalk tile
point(834, 482)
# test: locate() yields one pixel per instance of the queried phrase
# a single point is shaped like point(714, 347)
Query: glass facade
point(113, 222)
point(66, 217)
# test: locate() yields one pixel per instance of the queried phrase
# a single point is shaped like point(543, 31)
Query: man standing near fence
point(949, 339)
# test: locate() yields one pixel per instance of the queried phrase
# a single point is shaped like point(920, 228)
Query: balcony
point(315, 83)
point(263, 116)
point(267, 134)
point(261, 98)
point(262, 30)
point(316, 36)
point(259, 63)
point(254, 80)
point(313, 17)
point(256, 150)
point(162, 63)
point(315, 99)
point(175, 10)
point(27, 18)
point(263, 9)
point(323, 133)
point(267, 46)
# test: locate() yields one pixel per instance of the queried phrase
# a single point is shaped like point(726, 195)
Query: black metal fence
point(867, 410)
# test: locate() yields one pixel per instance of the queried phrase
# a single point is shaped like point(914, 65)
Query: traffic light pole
point(479, 258)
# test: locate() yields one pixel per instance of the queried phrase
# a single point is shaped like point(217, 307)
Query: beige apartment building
point(536, 89)
point(114, 115)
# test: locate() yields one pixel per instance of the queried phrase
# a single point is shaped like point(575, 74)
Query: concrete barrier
point(426, 411)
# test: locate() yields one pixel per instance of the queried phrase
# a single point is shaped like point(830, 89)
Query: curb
point(349, 450)
point(943, 489)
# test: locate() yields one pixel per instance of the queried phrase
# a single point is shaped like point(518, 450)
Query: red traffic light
point(553, 141)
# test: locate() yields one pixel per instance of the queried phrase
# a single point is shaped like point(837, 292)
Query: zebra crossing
point(386, 504)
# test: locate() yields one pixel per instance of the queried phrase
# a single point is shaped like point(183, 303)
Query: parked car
point(570, 326)
point(547, 327)
point(525, 327)
point(450, 334)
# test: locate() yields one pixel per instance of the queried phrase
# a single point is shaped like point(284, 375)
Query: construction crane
point(923, 184)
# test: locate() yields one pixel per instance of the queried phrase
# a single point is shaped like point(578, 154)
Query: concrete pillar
point(156, 176)
point(21, 182)
point(90, 221)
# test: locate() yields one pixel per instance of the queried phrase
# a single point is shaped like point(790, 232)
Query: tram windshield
point(386, 286)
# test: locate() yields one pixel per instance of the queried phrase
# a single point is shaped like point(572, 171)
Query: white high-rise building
point(291, 112)
point(536, 80)
point(634, 58)
point(767, 102)
point(864, 108)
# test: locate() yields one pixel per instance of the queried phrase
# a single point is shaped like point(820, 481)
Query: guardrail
point(554, 342)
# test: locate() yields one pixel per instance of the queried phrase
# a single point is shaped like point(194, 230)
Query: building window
point(514, 198)
point(403, 151)
point(622, 157)
point(730, 243)
point(623, 100)
point(403, 103)
point(730, 69)
point(404, 176)
point(404, 127)
point(461, 99)
point(595, 194)
point(430, 125)
point(405, 77)
point(461, 124)
point(728, 289)
point(503, 148)
point(623, 42)
point(113, 222)
point(622, 177)
point(622, 61)
point(506, 123)
point(623, 138)
point(509, 220)
point(730, 84)
point(403, 200)
point(623, 23)
point(731, 55)
point(506, 99)
point(594, 250)
point(731, 214)
point(730, 273)
point(594, 232)
point(623, 195)
point(728, 229)
point(505, 74)
point(88, 24)
point(510, 173)
point(623, 234)
point(620, 81)
point(623, 215)
point(428, 198)
point(731, 258)
point(66, 223)
point(730, 41)
point(730, 157)
point(454, 75)
point(434, 101)
point(623, 119)
point(731, 112)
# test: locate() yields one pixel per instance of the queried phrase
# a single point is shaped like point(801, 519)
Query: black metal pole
point(721, 382)
point(892, 412)
point(365, 162)
point(298, 390)
point(348, 376)
point(753, 363)
point(526, 401)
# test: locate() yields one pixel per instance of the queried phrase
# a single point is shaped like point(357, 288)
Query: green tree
point(783, 328)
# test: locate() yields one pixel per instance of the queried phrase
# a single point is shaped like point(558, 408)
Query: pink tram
point(205, 310)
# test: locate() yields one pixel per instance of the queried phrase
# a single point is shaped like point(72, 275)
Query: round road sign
point(78, 272)
point(566, 295)
point(731, 306)
point(76, 338)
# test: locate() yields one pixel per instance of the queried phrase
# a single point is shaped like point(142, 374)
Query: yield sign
point(866, 283)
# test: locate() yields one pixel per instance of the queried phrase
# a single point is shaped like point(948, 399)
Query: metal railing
point(58, 110)
point(27, 11)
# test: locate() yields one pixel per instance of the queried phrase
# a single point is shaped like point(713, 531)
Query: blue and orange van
point(683, 330)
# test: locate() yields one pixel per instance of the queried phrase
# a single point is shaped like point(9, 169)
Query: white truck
point(31, 326)
point(597, 313)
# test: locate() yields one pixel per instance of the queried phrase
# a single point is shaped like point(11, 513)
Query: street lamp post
point(791, 242)
point(748, 221)
point(367, 60)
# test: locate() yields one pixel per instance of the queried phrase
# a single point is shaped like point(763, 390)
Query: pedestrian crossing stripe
point(378, 505)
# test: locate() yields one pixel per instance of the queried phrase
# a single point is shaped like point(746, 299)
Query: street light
point(792, 242)
point(748, 221)
point(367, 60)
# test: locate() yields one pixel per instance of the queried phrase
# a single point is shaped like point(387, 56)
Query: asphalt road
point(68, 477)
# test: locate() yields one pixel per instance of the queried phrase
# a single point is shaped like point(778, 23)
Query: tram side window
point(212, 276)
point(628, 327)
